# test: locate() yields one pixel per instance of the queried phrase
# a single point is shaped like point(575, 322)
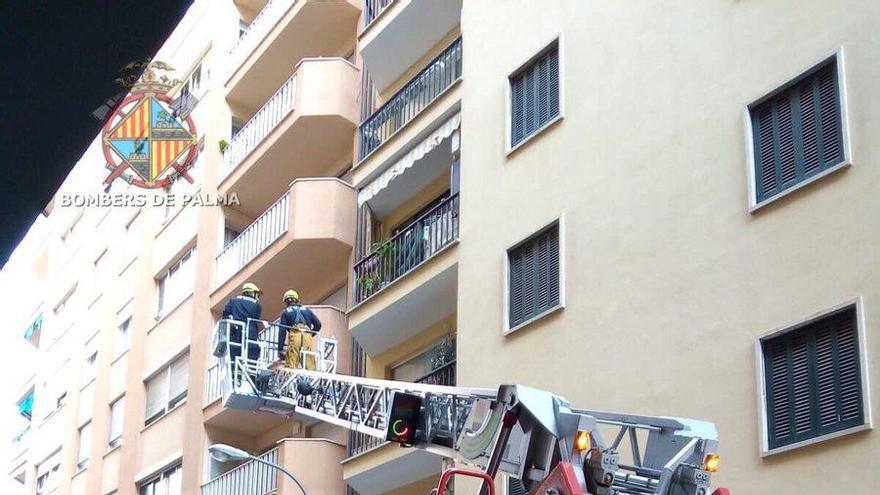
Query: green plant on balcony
point(368, 282)
point(223, 145)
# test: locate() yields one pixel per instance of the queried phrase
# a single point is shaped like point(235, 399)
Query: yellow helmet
point(250, 287)
point(291, 295)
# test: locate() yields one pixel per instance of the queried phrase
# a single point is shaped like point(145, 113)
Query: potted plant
point(223, 145)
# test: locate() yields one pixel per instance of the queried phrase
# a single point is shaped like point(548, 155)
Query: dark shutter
point(534, 95)
point(813, 380)
point(797, 132)
point(516, 487)
point(534, 276)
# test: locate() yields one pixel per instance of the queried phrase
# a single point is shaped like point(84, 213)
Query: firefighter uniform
point(302, 324)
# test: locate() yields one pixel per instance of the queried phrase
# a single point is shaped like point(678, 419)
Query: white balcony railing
point(250, 478)
point(260, 125)
point(258, 29)
point(213, 384)
point(253, 240)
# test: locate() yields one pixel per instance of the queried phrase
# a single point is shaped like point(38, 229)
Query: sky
point(58, 64)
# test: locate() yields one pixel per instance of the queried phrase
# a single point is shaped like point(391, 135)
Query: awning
point(31, 330)
point(406, 162)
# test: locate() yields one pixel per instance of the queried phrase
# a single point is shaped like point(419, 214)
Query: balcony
point(251, 478)
point(315, 462)
point(304, 238)
point(396, 279)
point(281, 34)
point(415, 96)
point(334, 325)
point(399, 32)
point(304, 130)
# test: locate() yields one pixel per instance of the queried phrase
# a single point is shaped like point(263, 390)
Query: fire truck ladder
point(531, 435)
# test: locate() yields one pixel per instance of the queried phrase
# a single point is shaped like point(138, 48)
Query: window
point(85, 444)
point(242, 27)
point(165, 483)
point(121, 342)
point(533, 273)
point(117, 412)
point(534, 94)
point(177, 283)
point(435, 366)
point(797, 131)
point(515, 486)
point(90, 366)
point(236, 126)
point(166, 389)
point(72, 227)
point(813, 379)
point(47, 474)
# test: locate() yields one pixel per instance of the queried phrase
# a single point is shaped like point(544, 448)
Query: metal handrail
point(253, 240)
point(251, 478)
point(272, 10)
point(405, 250)
point(444, 375)
point(417, 94)
point(278, 106)
point(372, 9)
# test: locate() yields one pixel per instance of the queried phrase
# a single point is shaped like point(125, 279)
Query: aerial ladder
point(536, 437)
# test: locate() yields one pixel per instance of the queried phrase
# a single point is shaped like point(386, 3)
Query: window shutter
point(516, 487)
point(179, 378)
point(797, 132)
point(534, 95)
point(157, 394)
point(534, 276)
point(85, 444)
point(813, 380)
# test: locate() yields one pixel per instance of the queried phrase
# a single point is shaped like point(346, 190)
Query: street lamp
point(226, 453)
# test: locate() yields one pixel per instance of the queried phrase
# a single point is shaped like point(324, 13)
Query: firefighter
point(298, 326)
point(244, 308)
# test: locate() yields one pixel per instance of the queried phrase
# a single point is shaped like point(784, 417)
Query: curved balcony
point(305, 129)
point(304, 240)
point(281, 34)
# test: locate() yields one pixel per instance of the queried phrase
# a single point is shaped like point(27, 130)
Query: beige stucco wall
point(668, 277)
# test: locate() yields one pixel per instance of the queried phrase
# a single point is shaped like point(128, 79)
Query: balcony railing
point(372, 9)
point(393, 258)
point(258, 29)
point(250, 478)
point(268, 227)
point(260, 125)
point(444, 375)
point(19, 439)
point(411, 99)
point(213, 384)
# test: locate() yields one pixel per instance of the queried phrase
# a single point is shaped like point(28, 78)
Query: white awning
point(406, 162)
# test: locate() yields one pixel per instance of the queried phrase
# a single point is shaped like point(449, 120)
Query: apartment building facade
point(664, 208)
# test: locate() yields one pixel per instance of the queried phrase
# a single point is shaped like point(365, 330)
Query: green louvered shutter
point(533, 274)
point(813, 380)
point(797, 132)
point(534, 95)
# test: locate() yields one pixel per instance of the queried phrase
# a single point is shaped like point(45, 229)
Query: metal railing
point(213, 384)
point(394, 257)
point(21, 436)
point(260, 125)
point(258, 29)
point(418, 93)
point(372, 9)
point(253, 240)
point(444, 375)
point(250, 478)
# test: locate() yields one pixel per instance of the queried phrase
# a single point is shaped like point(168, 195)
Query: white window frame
point(754, 205)
point(509, 148)
point(82, 457)
point(763, 440)
point(51, 475)
point(505, 324)
point(118, 348)
point(164, 306)
point(171, 403)
point(114, 441)
point(163, 474)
